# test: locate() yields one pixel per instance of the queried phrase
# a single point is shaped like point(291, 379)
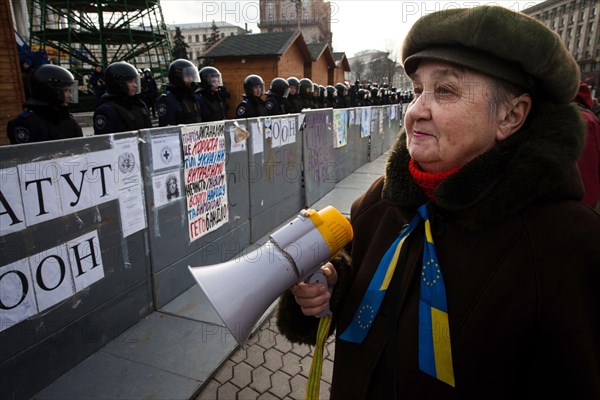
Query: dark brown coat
point(521, 262)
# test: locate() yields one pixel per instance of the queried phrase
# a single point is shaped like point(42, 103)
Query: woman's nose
point(420, 107)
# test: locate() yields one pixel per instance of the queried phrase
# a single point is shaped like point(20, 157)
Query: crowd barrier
point(97, 232)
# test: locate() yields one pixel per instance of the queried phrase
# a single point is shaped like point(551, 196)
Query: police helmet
point(305, 87)
point(183, 74)
point(331, 92)
point(208, 75)
point(315, 89)
point(293, 81)
point(322, 91)
point(250, 82)
point(279, 87)
point(342, 89)
point(48, 84)
point(362, 94)
point(117, 75)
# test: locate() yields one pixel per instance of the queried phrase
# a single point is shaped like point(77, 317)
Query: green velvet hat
point(497, 42)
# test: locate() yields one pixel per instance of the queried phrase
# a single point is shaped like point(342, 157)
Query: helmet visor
point(70, 93)
point(190, 75)
point(215, 80)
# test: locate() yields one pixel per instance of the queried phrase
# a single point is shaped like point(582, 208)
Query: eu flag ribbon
point(435, 355)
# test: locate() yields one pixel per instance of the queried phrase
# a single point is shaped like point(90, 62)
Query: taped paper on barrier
point(12, 217)
point(238, 135)
point(205, 178)
point(166, 188)
point(129, 184)
point(166, 152)
point(257, 138)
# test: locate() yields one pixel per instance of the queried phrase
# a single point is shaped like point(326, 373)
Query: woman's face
point(449, 122)
point(132, 87)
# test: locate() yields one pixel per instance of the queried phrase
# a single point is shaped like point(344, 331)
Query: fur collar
point(534, 165)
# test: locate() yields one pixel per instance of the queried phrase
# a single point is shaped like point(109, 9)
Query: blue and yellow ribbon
point(435, 355)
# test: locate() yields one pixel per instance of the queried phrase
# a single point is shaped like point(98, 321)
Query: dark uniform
point(149, 91)
point(42, 122)
point(121, 110)
point(47, 116)
point(121, 114)
point(278, 92)
point(251, 106)
point(212, 96)
point(178, 105)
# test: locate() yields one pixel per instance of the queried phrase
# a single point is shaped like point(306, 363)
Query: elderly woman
point(474, 271)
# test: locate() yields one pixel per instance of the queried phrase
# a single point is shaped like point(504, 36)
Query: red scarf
point(428, 181)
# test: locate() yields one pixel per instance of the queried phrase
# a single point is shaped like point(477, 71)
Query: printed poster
point(166, 187)
point(365, 123)
point(205, 178)
point(165, 152)
point(340, 128)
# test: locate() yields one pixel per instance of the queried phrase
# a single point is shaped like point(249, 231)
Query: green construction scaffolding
point(80, 35)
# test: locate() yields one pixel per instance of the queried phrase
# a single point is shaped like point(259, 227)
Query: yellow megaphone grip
point(333, 226)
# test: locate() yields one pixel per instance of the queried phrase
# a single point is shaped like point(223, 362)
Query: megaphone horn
point(242, 289)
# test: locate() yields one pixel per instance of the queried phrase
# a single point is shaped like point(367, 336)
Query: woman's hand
point(313, 298)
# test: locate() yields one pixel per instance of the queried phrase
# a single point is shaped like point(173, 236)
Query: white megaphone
point(242, 289)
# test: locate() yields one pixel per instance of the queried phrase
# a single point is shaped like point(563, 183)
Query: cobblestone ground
point(268, 367)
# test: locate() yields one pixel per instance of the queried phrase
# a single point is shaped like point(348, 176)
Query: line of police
point(191, 96)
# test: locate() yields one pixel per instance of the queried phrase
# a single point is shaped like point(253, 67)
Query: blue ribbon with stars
point(435, 356)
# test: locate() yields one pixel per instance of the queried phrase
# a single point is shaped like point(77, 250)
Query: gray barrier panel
point(377, 133)
point(88, 282)
point(394, 127)
point(274, 172)
point(168, 222)
point(319, 164)
point(356, 153)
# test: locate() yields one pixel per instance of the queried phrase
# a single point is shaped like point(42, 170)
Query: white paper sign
point(85, 256)
point(257, 138)
point(12, 218)
point(166, 188)
point(103, 175)
point(166, 151)
point(237, 135)
point(39, 189)
point(16, 294)
point(53, 280)
point(73, 186)
point(131, 198)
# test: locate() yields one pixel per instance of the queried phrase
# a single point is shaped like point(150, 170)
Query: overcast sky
point(356, 24)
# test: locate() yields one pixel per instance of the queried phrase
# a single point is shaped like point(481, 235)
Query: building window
point(562, 21)
point(588, 41)
point(231, 34)
point(591, 29)
point(579, 30)
point(594, 12)
point(197, 38)
point(222, 35)
point(570, 33)
point(204, 37)
point(270, 8)
point(572, 18)
point(189, 38)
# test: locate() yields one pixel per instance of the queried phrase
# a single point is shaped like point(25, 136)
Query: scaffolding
point(80, 35)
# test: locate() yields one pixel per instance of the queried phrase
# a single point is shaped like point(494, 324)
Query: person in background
point(589, 160)
point(179, 105)
point(97, 83)
point(474, 271)
point(252, 105)
point(149, 91)
point(276, 96)
point(213, 104)
point(121, 109)
point(306, 89)
point(46, 116)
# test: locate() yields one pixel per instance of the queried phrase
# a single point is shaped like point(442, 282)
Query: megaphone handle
point(319, 277)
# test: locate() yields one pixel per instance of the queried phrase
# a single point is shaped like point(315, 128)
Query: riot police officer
point(331, 99)
point(362, 98)
point(121, 110)
point(278, 92)
point(46, 116)
point(306, 90)
point(342, 94)
point(293, 103)
point(178, 105)
point(252, 105)
point(213, 104)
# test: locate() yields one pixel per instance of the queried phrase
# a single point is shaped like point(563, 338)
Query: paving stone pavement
point(268, 367)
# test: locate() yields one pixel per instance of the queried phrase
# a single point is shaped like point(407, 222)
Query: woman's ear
point(514, 118)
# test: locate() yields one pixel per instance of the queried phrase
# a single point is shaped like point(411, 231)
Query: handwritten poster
point(205, 180)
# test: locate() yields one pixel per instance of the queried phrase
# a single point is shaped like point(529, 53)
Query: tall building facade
point(196, 35)
point(311, 17)
point(577, 22)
